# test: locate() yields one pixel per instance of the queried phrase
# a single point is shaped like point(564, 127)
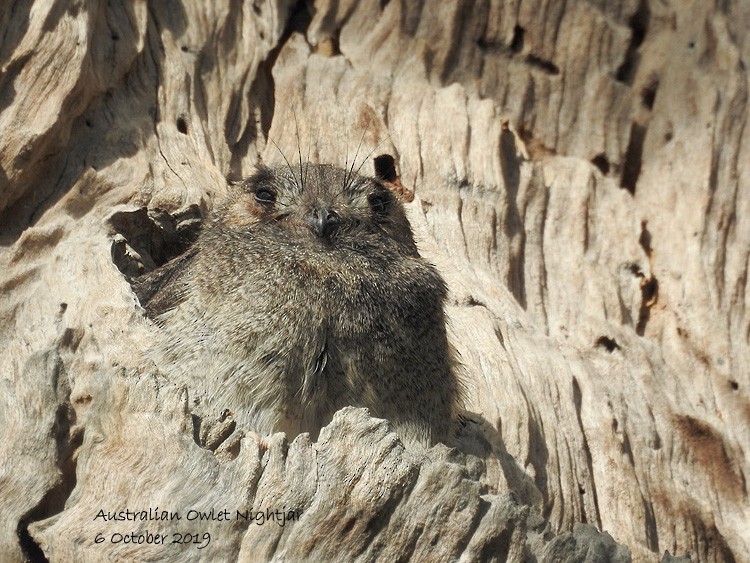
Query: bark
point(581, 181)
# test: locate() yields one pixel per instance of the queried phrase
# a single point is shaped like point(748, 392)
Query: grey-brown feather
point(284, 325)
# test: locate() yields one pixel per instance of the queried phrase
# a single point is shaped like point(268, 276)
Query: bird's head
point(321, 205)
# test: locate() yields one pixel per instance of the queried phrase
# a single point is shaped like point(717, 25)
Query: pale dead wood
point(580, 179)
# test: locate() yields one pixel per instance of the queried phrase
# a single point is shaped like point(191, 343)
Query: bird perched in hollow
point(305, 293)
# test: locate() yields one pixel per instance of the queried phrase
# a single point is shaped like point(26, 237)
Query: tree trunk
point(581, 182)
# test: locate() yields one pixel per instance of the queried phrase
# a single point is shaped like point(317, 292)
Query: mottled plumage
point(305, 293)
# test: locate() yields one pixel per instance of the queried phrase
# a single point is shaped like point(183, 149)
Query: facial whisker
point(309, 146)
point(299, 149)
point(291, 171)
point(349, 174)
point(345, 187)
point(346, 147)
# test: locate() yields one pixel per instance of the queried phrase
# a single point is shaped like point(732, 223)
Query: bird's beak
point(322, 221)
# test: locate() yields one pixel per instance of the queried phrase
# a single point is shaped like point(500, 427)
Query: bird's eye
point(380, 202)
point(265, 196)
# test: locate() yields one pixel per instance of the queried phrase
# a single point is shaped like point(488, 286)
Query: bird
point(305, 293)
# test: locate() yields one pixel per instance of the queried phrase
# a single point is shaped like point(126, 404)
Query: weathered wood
point(580, 180)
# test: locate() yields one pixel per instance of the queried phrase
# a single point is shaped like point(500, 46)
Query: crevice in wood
point(649, 286)
point(652, 532)
point(7, 79)
point(542, 64)
point(638, 24)
point(263, 88)
point(648, 93)
point(298, 22)
point(578, 402)
point(631, 168)
point(515, 49)
point(645, 239)
point(510, 166)
point(649, 295)
point(67, 438)
point(516, 43)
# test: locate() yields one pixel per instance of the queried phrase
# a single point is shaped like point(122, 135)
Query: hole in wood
point(516, 44)
point(609, 344)
point(385, 168)
point(602, 163)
